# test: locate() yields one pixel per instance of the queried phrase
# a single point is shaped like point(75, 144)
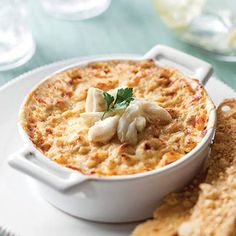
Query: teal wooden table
point(130, 26)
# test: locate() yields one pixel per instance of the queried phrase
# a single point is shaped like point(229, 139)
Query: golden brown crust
point(51, 117)
point(208, 208)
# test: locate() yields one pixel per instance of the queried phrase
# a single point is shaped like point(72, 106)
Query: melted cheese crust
point(51, 117)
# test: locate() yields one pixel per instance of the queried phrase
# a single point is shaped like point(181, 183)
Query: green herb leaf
point(123, 104)
point(109, 100)
point(123, 94)
point(122, 101)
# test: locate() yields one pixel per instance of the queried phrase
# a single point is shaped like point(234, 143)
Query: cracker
point(208, 205)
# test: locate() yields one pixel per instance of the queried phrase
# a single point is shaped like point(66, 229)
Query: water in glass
point(16, 42)
point(210, 24)
point(75, 9)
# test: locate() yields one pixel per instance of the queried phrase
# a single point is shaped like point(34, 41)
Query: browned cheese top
point(51, 117)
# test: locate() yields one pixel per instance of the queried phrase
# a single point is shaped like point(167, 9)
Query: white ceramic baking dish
point(118, 198)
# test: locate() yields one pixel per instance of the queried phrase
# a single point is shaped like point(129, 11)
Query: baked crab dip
point(116, 117)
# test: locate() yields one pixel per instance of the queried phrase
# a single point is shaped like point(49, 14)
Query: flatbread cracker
point(208, 208)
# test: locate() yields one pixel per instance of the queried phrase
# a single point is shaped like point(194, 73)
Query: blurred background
point(122, 26)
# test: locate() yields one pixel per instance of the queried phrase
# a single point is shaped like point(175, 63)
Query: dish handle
point(195, 67)
point(51, 175)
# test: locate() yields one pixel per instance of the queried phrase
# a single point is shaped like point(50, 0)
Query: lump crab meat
point(134, 120)
point(103, 130)
point(95, 101)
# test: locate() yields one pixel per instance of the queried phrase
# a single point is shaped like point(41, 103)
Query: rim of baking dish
point(183, 160)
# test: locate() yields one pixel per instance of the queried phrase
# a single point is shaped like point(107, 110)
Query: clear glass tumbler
point(16, 42)
point(210, 24)
point(75, 9)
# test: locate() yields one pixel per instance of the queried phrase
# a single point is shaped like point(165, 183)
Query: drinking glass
point(210, 24)
point(75, 9)
point(16, 42)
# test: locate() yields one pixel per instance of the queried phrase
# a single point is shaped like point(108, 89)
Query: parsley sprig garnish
point(121, 101)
